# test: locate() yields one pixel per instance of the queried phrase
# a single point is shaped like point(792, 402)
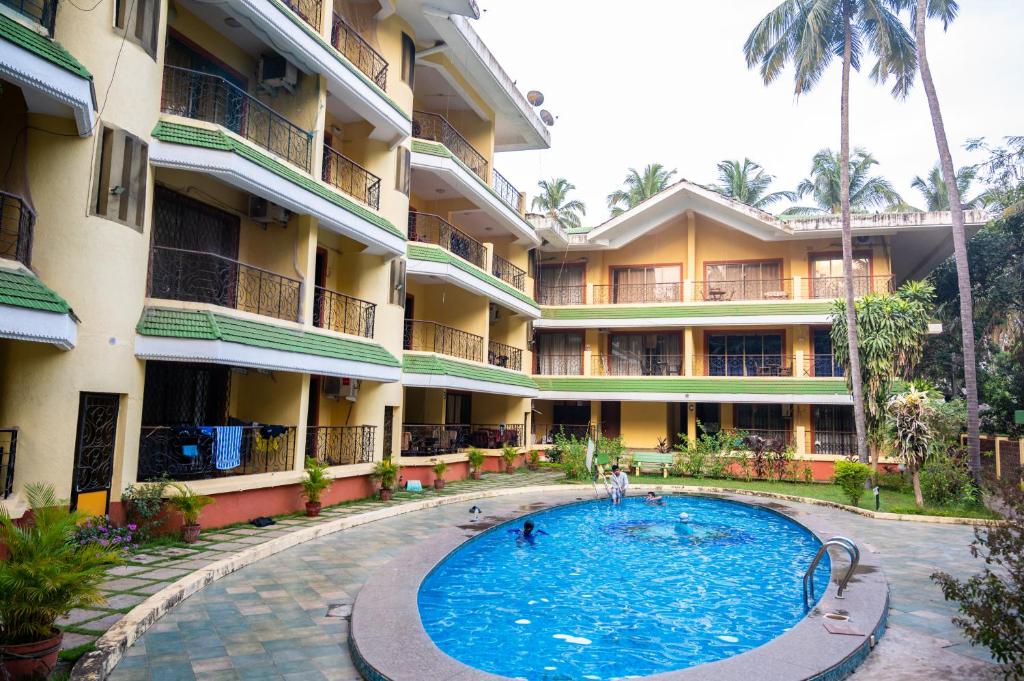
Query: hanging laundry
point(227, 447)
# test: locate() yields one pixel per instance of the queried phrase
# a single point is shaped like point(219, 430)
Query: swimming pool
point(620, 592)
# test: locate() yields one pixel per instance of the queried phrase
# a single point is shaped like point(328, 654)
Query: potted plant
point(508, 455)
point(189, 504)
point(385, 473)
point(439, 468)
point(533, 461)
point(314, 484)
point(46, 575)
point(476, 461)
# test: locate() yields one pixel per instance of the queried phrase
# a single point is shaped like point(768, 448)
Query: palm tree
point(748, 183)
point(552, 201)
point(933, 189)
point(811, 33)
point(639, 187)
point(947, 11)
point(824, 185)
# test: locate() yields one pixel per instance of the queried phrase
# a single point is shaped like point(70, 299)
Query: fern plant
point(188, 503)
point(316, 481)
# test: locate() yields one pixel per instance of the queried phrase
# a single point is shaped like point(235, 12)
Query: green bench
point(651, 460)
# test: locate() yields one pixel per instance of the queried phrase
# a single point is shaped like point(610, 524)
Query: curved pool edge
point(388, 642)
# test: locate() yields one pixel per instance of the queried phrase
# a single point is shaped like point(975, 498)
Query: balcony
point(645, 365)
point(667, 292)
point(307, 10)
point(8, 450)
point(43, 12)
point(832, 442)
point(339, 312)
point(559, 365)
point(435, 127)
point(562, 295)
point(207, 452)
point(835, 287)
point(545, 433)
point(210, 98)
point(340, 445)
point(17, 221)
point(347, 40)
point(434, 439)
point(351, 178)
point(743, 289)
point(507, 272)
point(506, 191)
point(433, 337)
point(504, 356)
point(433, 229)
point(201, 277)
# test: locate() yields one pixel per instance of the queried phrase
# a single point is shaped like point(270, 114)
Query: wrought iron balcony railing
point(764, 365)
point(434, 337)
point(562, 295)
point(433, 229)
point(835, 287)
point(544, 433)
point(665, 292)
point(347, 40)
point(43, 12)
point(340, 445)
point(507, 272)
point(432, 439)
point(743, 289)
point(640, 365)
point(17, 222)
point(8, 450)
point(204, 452)
point(505, 356)
point(339, 312)
point(435, 127)
point(200, 277)
point(506, 190)
point(309, 11)
point(351, 178)
point(773, 437)
point(211, 98)
point(559, 365)
point(832, 442)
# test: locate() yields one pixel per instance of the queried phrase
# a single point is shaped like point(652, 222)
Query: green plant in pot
point(476, 460)
point(314, 484)
point(386, 474)
point(508, 455)
point(533, 460)
point(189, 504)
point(439, 469)
point(45, 576)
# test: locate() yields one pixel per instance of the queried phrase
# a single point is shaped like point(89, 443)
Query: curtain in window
point(560, 354)
point(561, 285)
point(827, 277)
point(744, 281)
point(659, 284)
point(645, 355)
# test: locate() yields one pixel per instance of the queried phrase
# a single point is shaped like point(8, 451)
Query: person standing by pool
point(619, 484)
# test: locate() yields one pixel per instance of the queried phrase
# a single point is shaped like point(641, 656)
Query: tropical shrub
point(691, 461)
point(508, 455)
point(316, 480)
point(476, 459)
point(709, 455)
point(851, 476)
point(440, 468)
point(910, 417)
point(891, 481)
point(100, 530)
point(573, 456)
point(386, 473)
point(609, 449)
point(144, 504)
point(188, 502)
point(945, 481)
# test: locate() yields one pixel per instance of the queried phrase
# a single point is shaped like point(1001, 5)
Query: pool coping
point(388, 642)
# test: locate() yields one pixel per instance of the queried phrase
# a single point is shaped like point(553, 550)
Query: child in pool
point(652, 498)
point(528, 534)
point(619, 482)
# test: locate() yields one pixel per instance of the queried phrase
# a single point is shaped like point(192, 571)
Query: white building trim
point(466, 281)
point(446, 382)
point(48, 88)
point(19, 323)
point(592, 395)
point(682, 322)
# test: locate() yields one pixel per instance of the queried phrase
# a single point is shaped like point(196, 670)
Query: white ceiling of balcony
point(474, 221)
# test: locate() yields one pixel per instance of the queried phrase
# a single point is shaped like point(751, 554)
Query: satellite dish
point(535, 97)
point(546, 116)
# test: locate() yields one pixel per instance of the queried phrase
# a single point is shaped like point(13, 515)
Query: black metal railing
point(562, 295)
point(744, 289)
point(204, 452)
point(339, 312)
point(506, 356)
point(309, 11)
point(767, 365)
point(8, 450)
point(771, 436)
point(432, 126)
point(665, 292)
point(340, 445)
point(200, 277)
point(496, 435)
point(639, 365)
point(544, 433)
point(17, 221)
point(434, 337)
point(432, 439)
point(505, 190)
point(206, 97)
point(835, 287)
point(833, 442)
point(559, 365)
point(507, 272)
point(43, 12)
point(347, 40)
point(350, 177)
point(433, 229)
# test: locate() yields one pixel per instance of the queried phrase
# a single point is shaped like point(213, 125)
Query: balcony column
point(589, 299)
point(799, 369)
point(797, 287)
point(691, 247)
point(522, 203)
point(305, 258)
point(691, 423)
point(801, 441)
point(688, 352)
point(488, 257)
point(301, 422)
point(688, 290)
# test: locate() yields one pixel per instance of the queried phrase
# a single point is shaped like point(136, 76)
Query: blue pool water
point(616, 592)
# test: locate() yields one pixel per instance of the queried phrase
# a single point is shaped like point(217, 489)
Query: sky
point(665, 81)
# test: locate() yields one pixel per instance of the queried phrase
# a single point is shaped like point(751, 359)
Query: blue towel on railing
point(228, 447)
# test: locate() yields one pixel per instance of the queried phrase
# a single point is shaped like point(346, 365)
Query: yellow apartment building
point(242, 232)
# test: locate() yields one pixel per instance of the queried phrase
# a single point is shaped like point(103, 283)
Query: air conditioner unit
point(353, 390)
point(261, 210)
point(332, 387)
point(275, 71)
point(862, 240)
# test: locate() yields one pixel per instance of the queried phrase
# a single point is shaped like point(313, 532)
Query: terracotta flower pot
point(34, 661)
point(190, 533)
point(313, 509)
point(476, 475)
point(439, 483)
point(385, 494)
point(510, 468)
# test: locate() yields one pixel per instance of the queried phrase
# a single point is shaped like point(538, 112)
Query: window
point(834, 430)
point(746, 354)
point(408, 59)
point(821, 349)
point(560, 354)
point(827, 279)
point(561, 284)
point(119, 186)
point(397, 285)
point(644, 354)
point(646, 284)
point(743, 281)
point(140, 20)
point(403, 174)
point(765, 420)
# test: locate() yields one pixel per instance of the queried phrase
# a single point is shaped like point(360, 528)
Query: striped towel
point(228, 447)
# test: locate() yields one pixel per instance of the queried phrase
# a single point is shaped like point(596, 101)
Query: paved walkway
point(285, 617)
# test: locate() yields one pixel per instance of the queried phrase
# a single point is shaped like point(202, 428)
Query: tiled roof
point(205, 325)
point(445, 366)
point(695, 384)
point(817, 307)
point(21, 289)
point(433, 253)
point(46, 48)
point(195, 136)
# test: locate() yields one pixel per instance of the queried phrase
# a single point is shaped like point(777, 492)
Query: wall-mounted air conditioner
point(261, 210)
point(274, 71)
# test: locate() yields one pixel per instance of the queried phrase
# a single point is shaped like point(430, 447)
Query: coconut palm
point(810, 34)
point(553, 201)
point(748, 183)
point(933, 188)
point(639, 187)
point(867, 191)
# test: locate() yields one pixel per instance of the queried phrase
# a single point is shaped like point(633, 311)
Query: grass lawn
point(892, 502)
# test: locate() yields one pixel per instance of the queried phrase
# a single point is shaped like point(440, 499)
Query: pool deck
point(286, 616)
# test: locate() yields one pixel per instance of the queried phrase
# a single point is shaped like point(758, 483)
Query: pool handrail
point(851, 549)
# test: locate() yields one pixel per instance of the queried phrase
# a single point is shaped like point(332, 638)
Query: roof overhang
point(19, 323)
point(446, 382)
point(780, 319)
point(431, 370)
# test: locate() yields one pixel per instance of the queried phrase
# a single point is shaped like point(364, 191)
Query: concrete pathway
point(285, 617)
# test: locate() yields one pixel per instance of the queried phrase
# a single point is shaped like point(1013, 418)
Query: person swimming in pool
point(682, 526)
point(654, 499)
point(528, 534)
